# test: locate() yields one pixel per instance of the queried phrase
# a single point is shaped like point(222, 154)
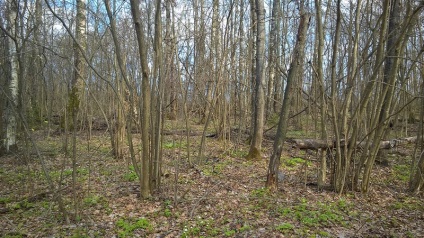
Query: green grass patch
point(4, 200)
point(401, 172)
point(284, 227)
point(260, 192)
point(200, 226)
point(238, 153)
point(131, 175)
point(175, 145)
point(409, 204)
point(126, 227)
point(92, 200)
point(318, 214)
point(297, 134)
point(293, 163)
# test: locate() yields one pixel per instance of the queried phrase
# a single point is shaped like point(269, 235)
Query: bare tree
point(295, 66)
point(9, 143)
point(259, 99)
point(145, 106)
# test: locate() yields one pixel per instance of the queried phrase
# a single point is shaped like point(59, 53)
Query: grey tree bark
point(145, 106)
point(9, 142)
point(259, 99)
point(295, 65)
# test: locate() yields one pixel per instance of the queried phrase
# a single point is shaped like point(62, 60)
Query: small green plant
point(127, 227)
point(79, 233)
point(297, 134)
point(316, 215)
point(167, 210)
point(130, 176)
point(292, 162)
point(174, 145)
point(92, 200)
point(4, 200)
point(323, 234)
point(229, 233)
point(410, 204)
point(13, 235)
point(190, 231)
point(401, 172)
point(284, 227)
point(58, 173)
point(260, 192)
point(238, 153)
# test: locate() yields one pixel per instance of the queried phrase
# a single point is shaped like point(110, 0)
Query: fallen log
point(316, 144)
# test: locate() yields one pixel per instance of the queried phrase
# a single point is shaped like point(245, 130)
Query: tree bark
point(321, 90)
point(11, 124)
point(274, 162)
point(145, 104)
point(77, 87)
point(259, 112)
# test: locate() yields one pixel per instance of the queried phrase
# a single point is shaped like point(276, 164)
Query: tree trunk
point(416, 181)
point(320, 82)
point(273, 56)
point(340, 162)
point(157, 122)
point(118, 127)
point(384, 105)
point(9, 143)
point(259, 112)
point(77, 88)
point(274, 162)
point(145, 106)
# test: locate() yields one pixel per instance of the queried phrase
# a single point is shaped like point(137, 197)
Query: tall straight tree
point(80, 73)
point(259, 100)
point(294, 71)
point(340, 163)
point(320, 82)
point(146, 96)
point(118, 128)
point(9, 142)
point(274, 55)
point(159, 94)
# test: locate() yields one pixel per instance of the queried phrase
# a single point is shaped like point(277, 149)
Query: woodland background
point(211, 118)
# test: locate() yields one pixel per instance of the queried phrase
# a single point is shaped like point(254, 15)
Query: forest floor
point(221, 196)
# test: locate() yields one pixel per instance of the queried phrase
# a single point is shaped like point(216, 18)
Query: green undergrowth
point(126, 227)
point(208, 227)
point(131, 175)
point(314, 215)
point(293, 163)
point(401, 172)
point(409, 204)
point(175, 145)
point(215, 166)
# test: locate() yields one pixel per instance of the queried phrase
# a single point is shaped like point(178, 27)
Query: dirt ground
point(222, 195)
